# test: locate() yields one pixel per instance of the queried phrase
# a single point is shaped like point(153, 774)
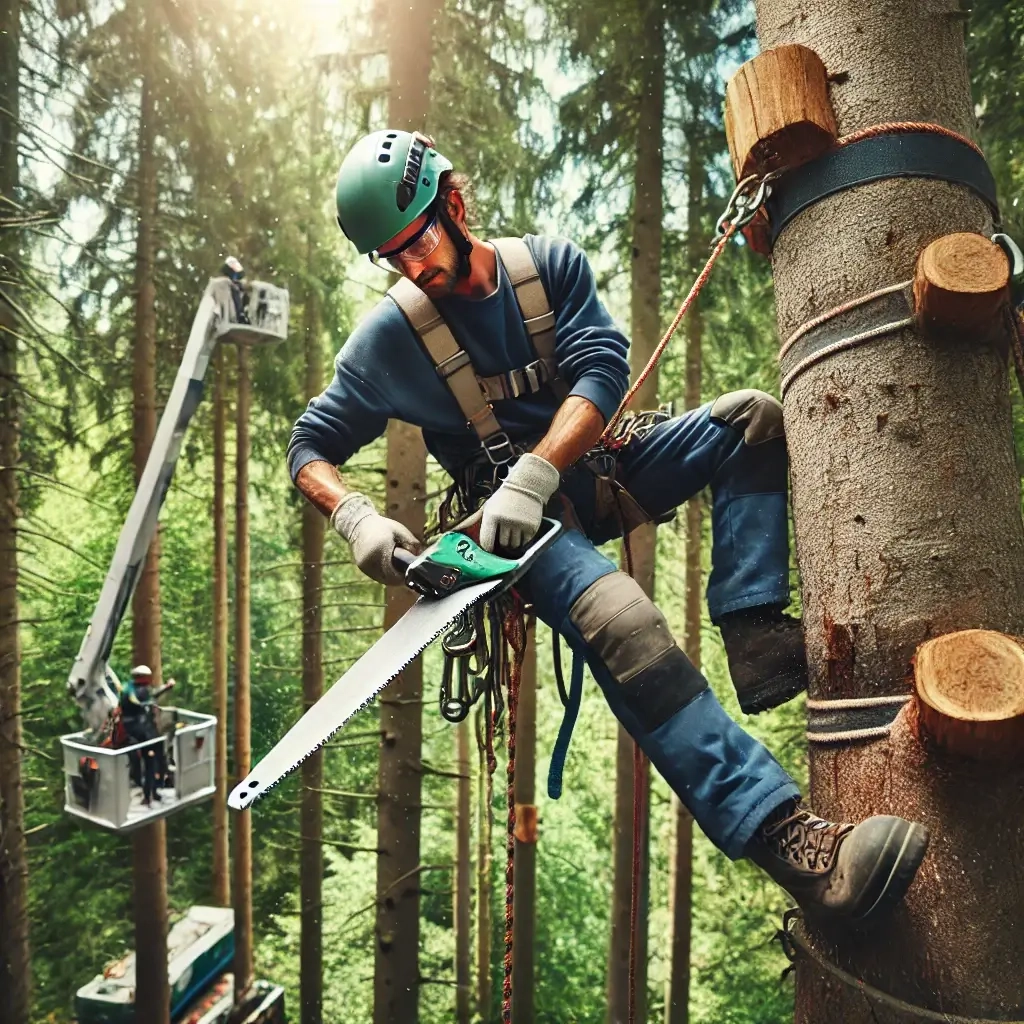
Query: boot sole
point(903, 869)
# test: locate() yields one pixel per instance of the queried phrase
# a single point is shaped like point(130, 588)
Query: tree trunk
point(149, 863)
point(311, 868)
point(461, 910)
point(483, 886)
point(221, 852)
point(396, 975)
point(677, 999)
point(396, 963)
point(524, 906)
point(645, 316)
point(908, 525)
point(242, 893)
point(15, 964)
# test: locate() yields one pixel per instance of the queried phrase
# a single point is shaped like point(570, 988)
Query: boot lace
point(805, 840)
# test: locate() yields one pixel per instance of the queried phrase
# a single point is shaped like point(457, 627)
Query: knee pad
point(624, 629)
point(755, 414)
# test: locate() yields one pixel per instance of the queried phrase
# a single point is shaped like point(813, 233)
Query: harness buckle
point(498, 448)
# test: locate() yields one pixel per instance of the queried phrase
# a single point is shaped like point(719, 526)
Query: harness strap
point(473, 393)
point(453, 366)
point(534, 305)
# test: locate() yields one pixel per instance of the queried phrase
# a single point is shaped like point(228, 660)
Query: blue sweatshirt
point(383, 372)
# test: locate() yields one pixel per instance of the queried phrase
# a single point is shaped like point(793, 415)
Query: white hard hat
point(142, 670)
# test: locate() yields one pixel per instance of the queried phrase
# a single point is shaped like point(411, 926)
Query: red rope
point(515, 636)
point(639, 804)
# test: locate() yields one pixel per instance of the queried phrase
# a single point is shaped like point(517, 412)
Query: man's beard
point(440, 280)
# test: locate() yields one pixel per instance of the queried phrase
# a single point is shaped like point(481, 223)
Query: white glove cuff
point(350, 512)
point(534, 475)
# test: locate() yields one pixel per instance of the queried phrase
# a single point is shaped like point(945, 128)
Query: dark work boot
point(766, 654)
point(841, 872)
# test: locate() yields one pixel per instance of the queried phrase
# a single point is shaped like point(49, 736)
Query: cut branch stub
point(970, 694)
point(961, 282)
point(526, 823)
point(777, 111)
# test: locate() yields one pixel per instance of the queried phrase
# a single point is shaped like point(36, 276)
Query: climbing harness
point(795, 944)
point(473, 393)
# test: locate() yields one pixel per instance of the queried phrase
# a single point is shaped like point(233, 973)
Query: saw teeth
point(246, 800)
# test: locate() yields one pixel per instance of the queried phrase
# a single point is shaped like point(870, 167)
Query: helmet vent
point(384, 158)
point(385, 145)
point(391, 135)
point(426, 181)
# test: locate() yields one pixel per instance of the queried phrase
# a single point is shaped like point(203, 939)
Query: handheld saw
point(451, 576)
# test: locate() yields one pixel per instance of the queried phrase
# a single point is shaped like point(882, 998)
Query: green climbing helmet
point(387, 180)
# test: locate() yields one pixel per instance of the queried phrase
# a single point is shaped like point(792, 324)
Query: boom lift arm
point(222, 316)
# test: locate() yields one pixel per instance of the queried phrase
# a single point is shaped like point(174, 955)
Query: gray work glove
point(512, 514)
point(372, 537)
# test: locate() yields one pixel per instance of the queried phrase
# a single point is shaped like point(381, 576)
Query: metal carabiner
point(455, 706)
point(747, 198)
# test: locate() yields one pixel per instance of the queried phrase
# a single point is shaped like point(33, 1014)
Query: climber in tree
point(503, 354)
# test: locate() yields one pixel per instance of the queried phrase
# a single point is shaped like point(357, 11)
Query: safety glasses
point(417, 249)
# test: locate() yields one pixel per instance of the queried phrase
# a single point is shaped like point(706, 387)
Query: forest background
point(252, 109)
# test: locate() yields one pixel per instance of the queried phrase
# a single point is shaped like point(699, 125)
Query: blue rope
point(572, 710)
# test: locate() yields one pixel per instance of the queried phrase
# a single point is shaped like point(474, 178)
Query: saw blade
point(398, 647)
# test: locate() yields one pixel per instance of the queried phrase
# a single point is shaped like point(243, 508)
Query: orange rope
point(900, 127)
point(663, 344)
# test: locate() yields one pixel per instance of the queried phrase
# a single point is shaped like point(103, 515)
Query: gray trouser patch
point(625, 630)
point(756, 413)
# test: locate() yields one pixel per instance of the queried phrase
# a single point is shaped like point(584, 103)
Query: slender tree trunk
point(15, 964)
point(242, 893)
point(677, 1000)
point(152, 997)
point(645, 315)
point(221, 853)
point(908, 525)
point(311, 868)
point(461, 910)
point(396, 964)
point(396, 978)
point(483, 889)
point(524, 906)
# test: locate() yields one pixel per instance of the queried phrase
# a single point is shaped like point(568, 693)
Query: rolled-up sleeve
point(591, 351)
point(349, 414)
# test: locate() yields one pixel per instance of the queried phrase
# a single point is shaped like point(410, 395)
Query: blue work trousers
point(727, 779)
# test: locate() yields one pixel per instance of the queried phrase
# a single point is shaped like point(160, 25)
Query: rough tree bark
point(15, 963)
point(221, 829)
point(908, 525)
point(242, 864)
point(677, 996)
point(311, 867)
point(149, 844)
point(646, 326)
point(396, 963)
point(524, 908)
